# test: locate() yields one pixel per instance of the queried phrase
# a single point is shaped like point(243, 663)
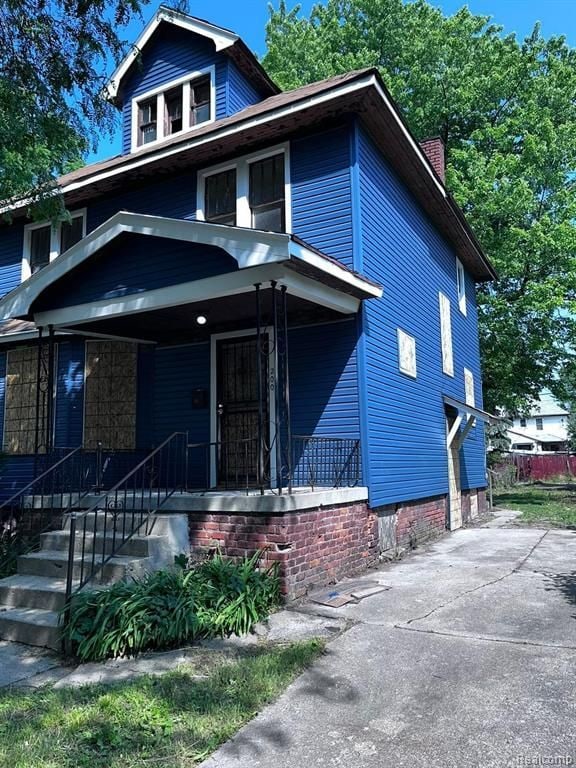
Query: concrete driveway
point(469, 659)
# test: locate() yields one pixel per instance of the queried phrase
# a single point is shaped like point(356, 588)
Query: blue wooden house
point(282, 281)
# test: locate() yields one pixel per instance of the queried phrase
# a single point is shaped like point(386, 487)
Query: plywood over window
point(20, 414)
point(446, 335)
point(110, 395)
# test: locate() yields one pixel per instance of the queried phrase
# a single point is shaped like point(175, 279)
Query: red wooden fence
point(535, 467)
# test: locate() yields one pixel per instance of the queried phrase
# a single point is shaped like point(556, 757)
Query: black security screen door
point(238, 408)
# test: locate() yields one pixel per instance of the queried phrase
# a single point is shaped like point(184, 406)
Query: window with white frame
point(44, 242)
point(461, 285)
point(254, 192)
point(446, 335)
point(177, 106)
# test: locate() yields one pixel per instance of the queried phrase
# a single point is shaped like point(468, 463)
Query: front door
point(238, 408)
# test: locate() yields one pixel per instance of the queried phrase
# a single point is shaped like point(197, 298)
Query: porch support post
point(277, 420)
point(38, 392)
point(50, 391)
point(260, 446)
point(286, 372)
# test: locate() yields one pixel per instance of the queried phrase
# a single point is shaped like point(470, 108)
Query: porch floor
point(226, 501)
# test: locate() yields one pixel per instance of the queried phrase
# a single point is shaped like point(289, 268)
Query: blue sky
point(248, 19)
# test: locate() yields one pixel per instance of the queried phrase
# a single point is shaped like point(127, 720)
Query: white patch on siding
point(469, 387)
point(406, 353)
point(446, 335)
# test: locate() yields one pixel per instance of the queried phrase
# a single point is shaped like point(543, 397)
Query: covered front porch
point(242, 342)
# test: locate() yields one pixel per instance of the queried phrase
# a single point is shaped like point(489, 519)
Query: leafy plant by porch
point(551, 504)
point(177, 719)
point(168, 608)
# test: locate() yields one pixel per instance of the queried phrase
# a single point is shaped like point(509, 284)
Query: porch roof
point(261, 255)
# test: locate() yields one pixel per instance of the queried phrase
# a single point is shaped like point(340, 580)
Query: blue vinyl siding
point(172, 53)
point(405, 424)
point(174, 197)
point(241, 92)
point(69, 410)
point(178, 371)
point(15, 474)
point(11, 247)
point(322, 193)
point(324, 380)
point(134, 265)
point(145, 437)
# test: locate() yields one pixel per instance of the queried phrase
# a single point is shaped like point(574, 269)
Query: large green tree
point(53, 61)
point(506, 110)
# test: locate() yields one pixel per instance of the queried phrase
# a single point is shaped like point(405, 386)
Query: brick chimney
point(434, 151)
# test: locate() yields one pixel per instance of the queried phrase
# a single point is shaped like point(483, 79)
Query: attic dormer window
point(177, 106)
point(147, 122)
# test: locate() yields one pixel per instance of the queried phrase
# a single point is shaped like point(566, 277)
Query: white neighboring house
point(544, 429)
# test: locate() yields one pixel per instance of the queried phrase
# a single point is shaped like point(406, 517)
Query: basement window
point(176, 107)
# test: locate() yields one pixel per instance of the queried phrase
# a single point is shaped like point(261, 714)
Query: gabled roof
point(223, 39)
point(249, 247)
point(274, 119)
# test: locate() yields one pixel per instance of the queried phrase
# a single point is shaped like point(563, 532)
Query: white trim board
point(249, 247)
point(278, 114)
point(229, 284)
point(222, 38)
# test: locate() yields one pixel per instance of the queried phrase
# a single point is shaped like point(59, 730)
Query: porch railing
point(39, 506)
point(327, 462)
point(123, 511)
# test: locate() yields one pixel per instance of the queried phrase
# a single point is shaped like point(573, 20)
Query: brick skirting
point(319, 546)
point(313, 547)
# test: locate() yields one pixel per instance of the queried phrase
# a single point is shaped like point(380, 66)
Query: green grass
point(544, 503)
point(171, 721)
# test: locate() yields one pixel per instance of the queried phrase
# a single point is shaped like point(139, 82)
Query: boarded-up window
point(110, 394)
point(469, 388)
point(20, 414)
point(406, 353)
point(446, 335)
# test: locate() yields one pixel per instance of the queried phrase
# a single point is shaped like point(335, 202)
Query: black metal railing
point(325, 462)
point(231, 465)
point(313, 462)
point(98, 533)
point(39, 505)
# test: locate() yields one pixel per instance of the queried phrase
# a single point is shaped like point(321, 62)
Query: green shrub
point(168, 608)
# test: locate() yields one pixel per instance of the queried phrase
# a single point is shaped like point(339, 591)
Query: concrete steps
point(30, 601)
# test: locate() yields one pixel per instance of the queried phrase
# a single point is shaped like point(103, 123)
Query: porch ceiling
point(177, 325)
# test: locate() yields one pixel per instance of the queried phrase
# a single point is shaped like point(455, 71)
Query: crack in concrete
point(484, 638)
point(514, 570)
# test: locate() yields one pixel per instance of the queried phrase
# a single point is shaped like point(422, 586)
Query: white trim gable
point(250, 248)
point(222, 38)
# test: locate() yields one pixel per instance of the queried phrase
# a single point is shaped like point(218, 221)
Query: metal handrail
point(24, 523)
point(115, 499)
point(10, 502)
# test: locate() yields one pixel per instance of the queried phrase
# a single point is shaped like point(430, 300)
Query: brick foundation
point(419, 521)
point(313, 547)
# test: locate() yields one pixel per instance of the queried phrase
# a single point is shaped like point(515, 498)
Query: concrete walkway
point(469, 659)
